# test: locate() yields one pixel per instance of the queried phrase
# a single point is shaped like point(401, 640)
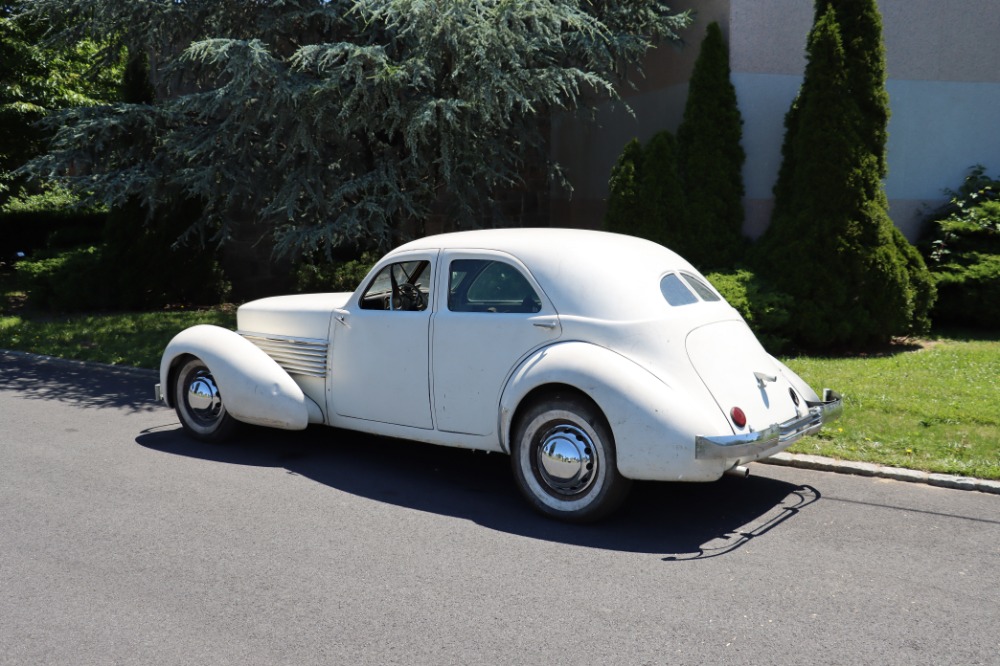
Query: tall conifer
point(711, 159)
point(831, 243)
point(647, 198)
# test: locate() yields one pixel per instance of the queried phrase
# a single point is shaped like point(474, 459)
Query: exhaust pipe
point(741, 471)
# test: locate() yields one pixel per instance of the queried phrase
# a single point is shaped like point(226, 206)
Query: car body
point(591, 358)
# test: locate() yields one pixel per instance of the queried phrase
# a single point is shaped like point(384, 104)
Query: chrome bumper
point(753, 445)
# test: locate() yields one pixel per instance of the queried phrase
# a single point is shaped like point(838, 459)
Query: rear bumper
point(754, 445)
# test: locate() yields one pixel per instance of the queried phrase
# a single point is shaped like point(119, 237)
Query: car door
point(491, 314)
point(380, 368)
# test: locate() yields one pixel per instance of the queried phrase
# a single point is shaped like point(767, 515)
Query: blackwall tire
point(199, 405)
point(563, 456)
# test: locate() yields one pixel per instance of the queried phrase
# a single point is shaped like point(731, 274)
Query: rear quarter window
point(676, 291)
point(704, 292)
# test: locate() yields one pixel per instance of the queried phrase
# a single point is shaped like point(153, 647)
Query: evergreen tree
point(337, 121)
point(860, 24)
point(711, 159)
point(625, 202)
point(141, 264)
point(37, 79)
point(831, 243)
point(665, 217)
point(646, 198)
point(864, 60)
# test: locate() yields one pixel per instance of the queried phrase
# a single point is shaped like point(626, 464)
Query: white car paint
point(257, 389)
point(595, 319)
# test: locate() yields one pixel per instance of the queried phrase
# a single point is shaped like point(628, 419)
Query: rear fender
point(654, 424)
point(254, 388)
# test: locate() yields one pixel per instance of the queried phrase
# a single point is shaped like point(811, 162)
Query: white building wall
point(943, 63)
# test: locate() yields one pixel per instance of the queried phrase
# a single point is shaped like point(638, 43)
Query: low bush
point(335, 275)
point(135, 263)
point(64, 280)
point(962, 247)
point(97, 277)
point(52, 217)
point(766, 310)
point(969, 295)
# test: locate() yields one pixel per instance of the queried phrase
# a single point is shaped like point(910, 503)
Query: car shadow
point(678, 521)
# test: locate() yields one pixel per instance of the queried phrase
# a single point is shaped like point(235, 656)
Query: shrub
point(65, 280)
point(962, 246)
point(147, 267)
point(969, 295)
point(766, 310)
point(136, 267)
point(334, 275)
point(51, 217)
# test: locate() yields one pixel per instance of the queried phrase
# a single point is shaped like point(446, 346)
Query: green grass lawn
point(133, 339)
point(932, 406)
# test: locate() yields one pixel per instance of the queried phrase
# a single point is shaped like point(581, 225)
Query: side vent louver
point(298, 356)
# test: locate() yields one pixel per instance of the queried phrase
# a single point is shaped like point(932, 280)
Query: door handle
point(545, 323)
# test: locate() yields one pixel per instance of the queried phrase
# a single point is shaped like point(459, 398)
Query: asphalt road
point(122, 542)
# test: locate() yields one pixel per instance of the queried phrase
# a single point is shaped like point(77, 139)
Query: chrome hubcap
point(566, 461)
point(203, 399)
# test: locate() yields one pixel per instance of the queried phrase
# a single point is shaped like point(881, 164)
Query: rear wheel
point(199, 404)
point(564, 460)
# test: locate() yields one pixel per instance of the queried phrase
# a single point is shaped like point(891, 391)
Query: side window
point(482, 285)
point(400, 286)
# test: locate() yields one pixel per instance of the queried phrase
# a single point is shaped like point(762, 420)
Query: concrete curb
point(55, 360)
point(822, 464)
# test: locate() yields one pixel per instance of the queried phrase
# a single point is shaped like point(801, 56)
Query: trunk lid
point(739, 373)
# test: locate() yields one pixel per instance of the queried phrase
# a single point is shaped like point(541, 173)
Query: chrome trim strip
point(297, 356)
point(752, 445)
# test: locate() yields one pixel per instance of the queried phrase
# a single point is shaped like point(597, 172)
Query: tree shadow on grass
point(678, 521)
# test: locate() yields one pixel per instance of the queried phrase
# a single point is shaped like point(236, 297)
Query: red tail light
point(739, 418)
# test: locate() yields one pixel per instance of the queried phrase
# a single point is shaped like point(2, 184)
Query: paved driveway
point(122, 542)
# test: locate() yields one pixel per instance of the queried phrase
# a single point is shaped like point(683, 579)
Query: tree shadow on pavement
point(678, 521)
point(44, 378)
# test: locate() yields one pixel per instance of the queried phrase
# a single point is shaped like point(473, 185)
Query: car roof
point(586, 272)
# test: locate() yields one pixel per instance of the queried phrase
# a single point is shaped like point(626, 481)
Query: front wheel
point(199, 404)
point(564, 461)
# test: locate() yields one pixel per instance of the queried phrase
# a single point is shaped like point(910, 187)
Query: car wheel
point(199, 404)
point(564, 461)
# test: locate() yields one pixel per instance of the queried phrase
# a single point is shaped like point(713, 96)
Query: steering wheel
point(408, 297)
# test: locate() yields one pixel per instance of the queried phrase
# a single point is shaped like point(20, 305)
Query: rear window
point(676, 291)
point(705, 292)
point(685, 289)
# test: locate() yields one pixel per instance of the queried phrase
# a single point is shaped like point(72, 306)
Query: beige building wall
point(943, 64)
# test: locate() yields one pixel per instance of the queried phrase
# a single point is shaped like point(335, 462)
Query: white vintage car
point(591, 358)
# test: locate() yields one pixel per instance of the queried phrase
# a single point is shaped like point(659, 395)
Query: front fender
point(654, 424)
point(254, 388)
